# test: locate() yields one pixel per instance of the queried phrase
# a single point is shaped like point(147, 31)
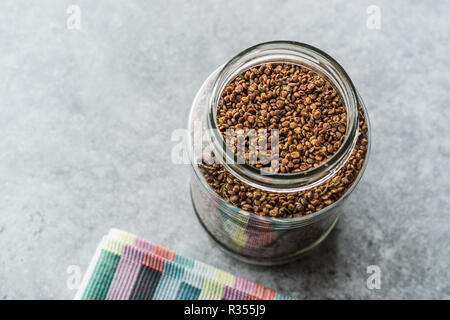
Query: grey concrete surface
point(86, 118)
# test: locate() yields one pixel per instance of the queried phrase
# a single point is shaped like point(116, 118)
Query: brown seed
point(280, 103)
point(320, 82)
point(273, 212)
point(330, 148)
point(317, 114)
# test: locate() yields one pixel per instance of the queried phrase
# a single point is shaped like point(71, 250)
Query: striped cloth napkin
point(127, 267)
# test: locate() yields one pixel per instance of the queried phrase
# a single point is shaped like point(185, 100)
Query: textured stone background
point(86, 118)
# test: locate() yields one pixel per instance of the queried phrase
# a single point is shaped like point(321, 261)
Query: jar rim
point(306, 56)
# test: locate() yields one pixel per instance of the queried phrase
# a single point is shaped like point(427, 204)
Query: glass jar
point(261, 239)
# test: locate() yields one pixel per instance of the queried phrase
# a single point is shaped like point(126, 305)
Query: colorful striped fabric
point(126, 267)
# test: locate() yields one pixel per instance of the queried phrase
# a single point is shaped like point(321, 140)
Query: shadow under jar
point(261, 239)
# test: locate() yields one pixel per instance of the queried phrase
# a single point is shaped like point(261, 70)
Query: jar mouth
point(305, 56)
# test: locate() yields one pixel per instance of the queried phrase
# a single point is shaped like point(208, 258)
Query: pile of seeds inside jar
point(306, 110)
point(311, 118)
